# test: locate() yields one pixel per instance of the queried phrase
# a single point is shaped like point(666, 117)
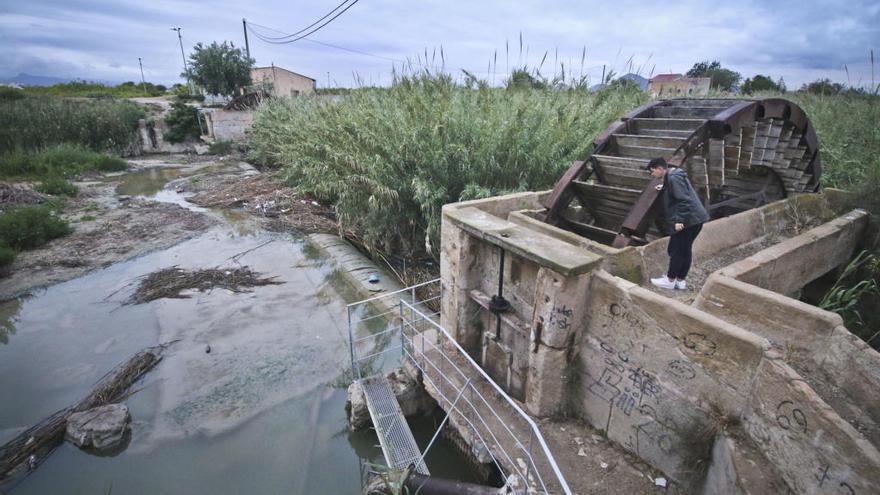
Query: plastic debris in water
point(660, 482)
point(208, 349)
point(32, 462)
point(603, 465)
point(373, 279)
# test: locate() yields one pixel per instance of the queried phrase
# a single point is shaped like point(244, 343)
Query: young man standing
point(684, 215)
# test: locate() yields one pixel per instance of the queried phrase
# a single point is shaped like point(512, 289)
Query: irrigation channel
point(262, 412)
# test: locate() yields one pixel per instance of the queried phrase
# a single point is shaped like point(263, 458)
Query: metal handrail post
point(355, 374)
point(402, 329)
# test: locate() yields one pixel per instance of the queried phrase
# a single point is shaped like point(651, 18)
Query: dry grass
point(13, 194)
point(171, 282)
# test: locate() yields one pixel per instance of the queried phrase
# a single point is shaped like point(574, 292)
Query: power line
point(297, 36)
point(279, 38)
point(404, 62)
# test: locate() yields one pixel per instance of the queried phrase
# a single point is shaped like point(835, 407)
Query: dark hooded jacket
point(680, 202)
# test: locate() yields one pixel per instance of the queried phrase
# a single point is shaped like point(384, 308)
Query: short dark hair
point(656, 163)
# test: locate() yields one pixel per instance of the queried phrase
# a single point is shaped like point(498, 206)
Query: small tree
point(760, 83)
point(221, 69)
point(823, 87)
point(723, 79)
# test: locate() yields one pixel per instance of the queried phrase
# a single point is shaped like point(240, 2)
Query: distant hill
point(30, 80)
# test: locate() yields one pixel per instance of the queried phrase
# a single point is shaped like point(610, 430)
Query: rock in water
point(358, 414)
point(102, 428)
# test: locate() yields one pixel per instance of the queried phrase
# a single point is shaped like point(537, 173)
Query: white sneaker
point(681, 285)
point(663, 282)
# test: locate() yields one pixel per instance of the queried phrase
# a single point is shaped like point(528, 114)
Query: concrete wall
point(227, 125)
point(788, 266)
point(791, 386)
point(283, 82)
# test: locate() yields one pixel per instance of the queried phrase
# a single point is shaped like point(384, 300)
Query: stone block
point(725, 351)
point(547, 381)
point(814, 449)
point(560, 309)
point(851, 369)
point(801, 329)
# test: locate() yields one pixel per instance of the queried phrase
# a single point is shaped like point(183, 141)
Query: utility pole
point(328, 79)
point(247, 47)
point(603, 75)
point(185, 68)
point(143, 82)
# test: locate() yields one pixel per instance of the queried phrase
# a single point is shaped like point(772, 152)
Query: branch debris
point(171, 282)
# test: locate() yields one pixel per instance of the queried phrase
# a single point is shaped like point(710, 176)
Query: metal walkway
point(395, 437)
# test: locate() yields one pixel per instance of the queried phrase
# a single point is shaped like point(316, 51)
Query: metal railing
point(374, 322)
point(497, 425)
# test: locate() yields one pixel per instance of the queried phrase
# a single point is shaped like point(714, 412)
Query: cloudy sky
point(102, 40)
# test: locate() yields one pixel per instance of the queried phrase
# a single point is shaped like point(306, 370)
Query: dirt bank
point(103, 234)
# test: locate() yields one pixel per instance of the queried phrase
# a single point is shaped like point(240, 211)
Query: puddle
point(147, 182)
point(258, 414)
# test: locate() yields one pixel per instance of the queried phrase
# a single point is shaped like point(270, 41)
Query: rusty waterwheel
point(739, 154)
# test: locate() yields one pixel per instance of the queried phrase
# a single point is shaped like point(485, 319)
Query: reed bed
point(390, 158)
point(36, 122)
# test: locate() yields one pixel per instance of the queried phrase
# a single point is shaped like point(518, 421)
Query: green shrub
point(10, 93)
point(28, 227)
point(107, 163)
point(38, 122)
point(57, 161)
point(183, 123)
point(7, 255)
point(391, 158)
point(57, 186)
point(128, 89)
point(221, 147)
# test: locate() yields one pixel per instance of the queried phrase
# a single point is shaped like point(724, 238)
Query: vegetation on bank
point(84, 89)
point(63, 160)
point(28, 227)
point(183, 123)
point(390, 158)
point(36, 122)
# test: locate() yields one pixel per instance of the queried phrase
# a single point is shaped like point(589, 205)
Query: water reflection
point(9, 311)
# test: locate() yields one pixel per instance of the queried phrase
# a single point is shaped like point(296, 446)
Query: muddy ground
point(110, 226)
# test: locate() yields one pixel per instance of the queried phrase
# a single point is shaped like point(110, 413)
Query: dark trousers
point(681, 251)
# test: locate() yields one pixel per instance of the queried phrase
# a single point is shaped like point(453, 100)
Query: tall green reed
point(390, 158)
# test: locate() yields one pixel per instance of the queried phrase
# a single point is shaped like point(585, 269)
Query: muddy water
point(258, 413)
